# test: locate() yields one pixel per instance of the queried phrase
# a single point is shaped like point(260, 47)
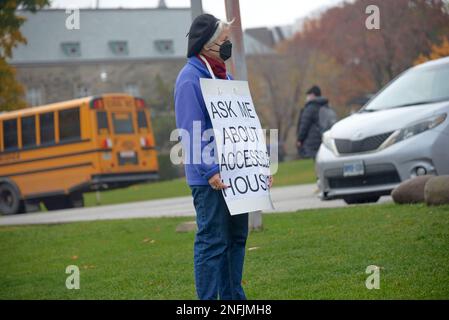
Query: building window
point(47, 127)
point(71, 49)
point(28, 131)
point(164, 46)
point(132, 89)
point(69, 124)
point(34, 96)
point(10, 141)
point(119, 48)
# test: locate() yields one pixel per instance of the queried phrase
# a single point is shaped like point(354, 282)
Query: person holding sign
point(220, 241)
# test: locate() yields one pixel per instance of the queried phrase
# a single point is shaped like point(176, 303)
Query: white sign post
point(240, 145)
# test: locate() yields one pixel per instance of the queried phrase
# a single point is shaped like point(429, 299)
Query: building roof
point(255, 47)
point(263, 34)
point(108, 34)
point(270, 37)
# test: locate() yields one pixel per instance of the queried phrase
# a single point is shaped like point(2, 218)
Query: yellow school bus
point(55, 153)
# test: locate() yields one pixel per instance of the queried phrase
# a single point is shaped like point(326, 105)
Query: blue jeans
point(219, 248)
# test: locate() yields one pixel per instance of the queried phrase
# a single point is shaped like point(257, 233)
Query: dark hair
point(315, 90)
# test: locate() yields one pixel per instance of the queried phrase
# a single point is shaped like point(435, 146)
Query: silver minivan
point(402, 132)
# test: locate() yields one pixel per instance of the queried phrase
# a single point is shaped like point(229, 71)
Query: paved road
point(285, 199)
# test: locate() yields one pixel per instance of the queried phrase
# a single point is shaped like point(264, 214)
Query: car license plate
point(127, 154)
point(354, 169)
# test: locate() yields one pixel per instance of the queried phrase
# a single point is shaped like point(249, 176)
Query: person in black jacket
point(308, 130)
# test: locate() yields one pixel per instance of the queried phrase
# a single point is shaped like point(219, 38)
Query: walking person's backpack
point(327, 118)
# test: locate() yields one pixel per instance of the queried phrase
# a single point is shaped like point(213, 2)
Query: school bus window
point(10, 141)
point(28, 131)
point(47, 127)
point(122, 123)
point(141, 119)
point(102, 121)
point(69, 124)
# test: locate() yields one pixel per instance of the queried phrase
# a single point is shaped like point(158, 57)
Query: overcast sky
point(254, 13)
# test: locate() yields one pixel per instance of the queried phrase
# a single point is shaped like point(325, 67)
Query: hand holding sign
point(216, 183)
point(270, 181)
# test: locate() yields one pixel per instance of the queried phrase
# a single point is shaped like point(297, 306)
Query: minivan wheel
point(10, 202)
point(361, 199)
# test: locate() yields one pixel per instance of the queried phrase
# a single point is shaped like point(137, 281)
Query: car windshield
point(415, 87)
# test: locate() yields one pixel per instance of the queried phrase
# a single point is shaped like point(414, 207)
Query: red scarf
point(218, 67)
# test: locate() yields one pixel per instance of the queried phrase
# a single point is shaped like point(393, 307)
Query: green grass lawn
point(289, 173)
point(314, 254)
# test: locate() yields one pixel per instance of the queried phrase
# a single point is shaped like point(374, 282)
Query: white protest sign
point(240, 145)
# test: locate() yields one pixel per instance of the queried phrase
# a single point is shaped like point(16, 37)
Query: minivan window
point(414, 87)
point(123, 122)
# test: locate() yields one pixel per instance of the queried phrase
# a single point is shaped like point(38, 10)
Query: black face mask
point(225, 50)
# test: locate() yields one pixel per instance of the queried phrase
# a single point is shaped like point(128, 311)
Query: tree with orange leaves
point(437, 51)
point(11, 92)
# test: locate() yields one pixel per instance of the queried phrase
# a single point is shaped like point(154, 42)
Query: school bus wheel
point(10, 202)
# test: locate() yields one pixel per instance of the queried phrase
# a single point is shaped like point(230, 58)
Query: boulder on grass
point(436, 191)
point(411, 191)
